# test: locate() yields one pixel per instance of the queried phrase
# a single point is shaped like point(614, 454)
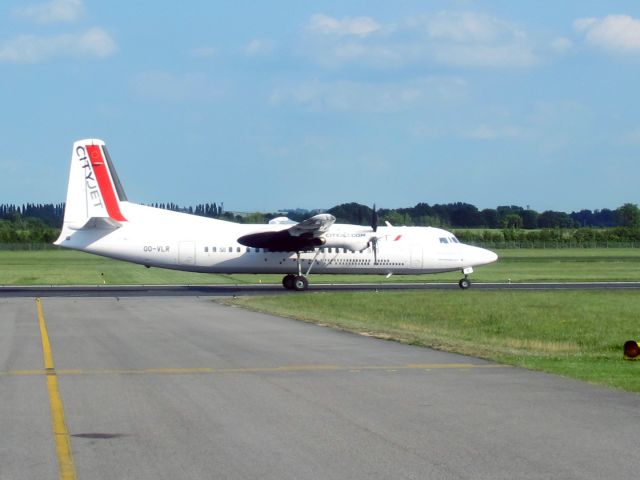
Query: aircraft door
point(416, 256)
point(187, 253)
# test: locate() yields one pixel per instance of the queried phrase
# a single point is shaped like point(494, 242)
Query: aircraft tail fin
point(94, 192)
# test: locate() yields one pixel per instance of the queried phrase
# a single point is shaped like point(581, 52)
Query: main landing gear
point(299, 282)
point(295, 282)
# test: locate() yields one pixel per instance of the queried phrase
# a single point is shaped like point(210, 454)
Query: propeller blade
point(374, 219)
point(374, 238)
point(374, 246)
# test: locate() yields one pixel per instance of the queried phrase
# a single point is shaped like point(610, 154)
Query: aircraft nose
point(481, 256)
point(490, 256)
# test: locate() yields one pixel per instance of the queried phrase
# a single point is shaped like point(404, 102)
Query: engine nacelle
point(350, 241)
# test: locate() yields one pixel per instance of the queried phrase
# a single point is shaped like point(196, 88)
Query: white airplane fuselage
point(166, 239)
point(100, 220)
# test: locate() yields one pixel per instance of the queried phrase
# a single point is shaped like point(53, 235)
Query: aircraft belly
point(286, 263)
point(181, 256)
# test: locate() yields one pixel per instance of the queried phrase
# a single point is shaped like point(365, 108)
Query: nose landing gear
point(465, 282)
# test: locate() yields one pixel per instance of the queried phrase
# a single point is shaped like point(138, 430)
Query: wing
point(302, 236)
point(315, 226)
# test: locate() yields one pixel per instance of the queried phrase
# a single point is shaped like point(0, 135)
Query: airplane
point(99, 219)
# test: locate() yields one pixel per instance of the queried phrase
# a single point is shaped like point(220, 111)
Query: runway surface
point(178, 387)
point(277, 289)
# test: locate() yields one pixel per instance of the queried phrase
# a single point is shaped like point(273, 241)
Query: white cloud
point(94, 43)
point(619, 33)
point(259, 47)
point(633, 136)
point(168, 87)
point(10, 166)
point(469, 27)
point(371, 97)
point(54, 11)
point(561, 45)
point(468, 55)
point(379, 55)
point(469, 39)
point(203, 52)
point(326, 25)
point(460, 39)
point(498, 132)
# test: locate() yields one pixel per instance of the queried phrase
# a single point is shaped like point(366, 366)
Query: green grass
point(67, 267)
point(46, 267)
point(578, 264)
point(578, 334)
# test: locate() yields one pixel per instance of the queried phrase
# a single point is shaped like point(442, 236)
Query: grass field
point(578, 334)
point(48, 267)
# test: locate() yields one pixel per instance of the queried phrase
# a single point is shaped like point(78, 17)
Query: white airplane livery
point(99, 219)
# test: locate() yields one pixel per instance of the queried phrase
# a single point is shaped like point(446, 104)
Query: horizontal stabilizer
point(99, 223)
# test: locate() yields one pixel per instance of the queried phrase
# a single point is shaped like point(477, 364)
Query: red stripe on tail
point(104, 182)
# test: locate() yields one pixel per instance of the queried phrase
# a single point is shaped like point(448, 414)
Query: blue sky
point(285, 104)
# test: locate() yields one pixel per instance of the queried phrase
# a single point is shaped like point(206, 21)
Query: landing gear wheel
point(300, 283)
point(464, 283)
point(287, 281)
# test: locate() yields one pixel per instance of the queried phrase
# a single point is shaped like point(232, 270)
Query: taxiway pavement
point(277, 289)
point(178, 387)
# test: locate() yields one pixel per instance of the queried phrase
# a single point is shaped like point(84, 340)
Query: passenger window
point(223, 249)
point(206, 249)
point(213, 249)
point(238, 249)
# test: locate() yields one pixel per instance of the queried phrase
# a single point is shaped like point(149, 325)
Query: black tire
point(300, 283)
point(287, 281)
point(464, 283)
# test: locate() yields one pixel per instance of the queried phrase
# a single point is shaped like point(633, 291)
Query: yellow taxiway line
point(66, 467)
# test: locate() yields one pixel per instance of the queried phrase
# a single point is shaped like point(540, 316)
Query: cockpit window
point(443, 240)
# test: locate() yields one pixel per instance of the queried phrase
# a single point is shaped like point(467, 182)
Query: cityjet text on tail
point(99, 219)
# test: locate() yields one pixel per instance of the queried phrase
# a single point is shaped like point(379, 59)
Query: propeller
point(374, 238)
point(374, 219)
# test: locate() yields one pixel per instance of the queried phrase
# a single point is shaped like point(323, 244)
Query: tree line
point(36, 223)
point(464, 215)
point(551, 237)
